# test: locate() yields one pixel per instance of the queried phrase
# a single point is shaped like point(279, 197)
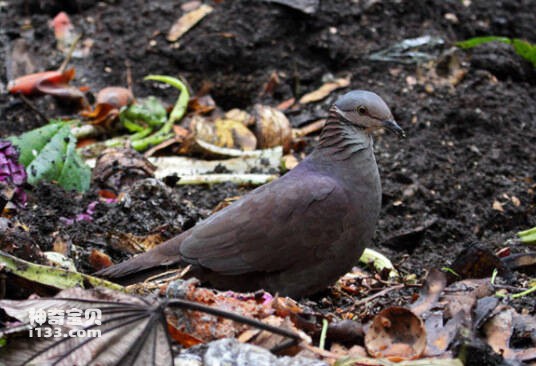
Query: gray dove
point(297, 234)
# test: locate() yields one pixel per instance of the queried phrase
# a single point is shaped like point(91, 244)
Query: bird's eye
point(361, 109)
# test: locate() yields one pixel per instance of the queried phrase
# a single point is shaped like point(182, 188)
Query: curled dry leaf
point(126, 329)
point(290, 161)
point(53, 83)
point(439, 336)
point(435, 284)
point(270, 340)
point(497, 206)
point(109, 101)
point(499, 330)
point(462, 296)
point(524, 262)
point(133, 244)
point(187, 22)
point(397, 334)
point(224, 133)
point(272, 128)
point(447, 71)
point(325, 90)
point(477, 262)
point(201, 104)
point(99, 260)
point(241, 116)
point(133, 167)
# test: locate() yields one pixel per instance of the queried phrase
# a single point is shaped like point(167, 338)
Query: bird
point(298, 234)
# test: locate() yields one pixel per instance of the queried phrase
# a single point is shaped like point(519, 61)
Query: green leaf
point(51, 276)
point(49, 154)
point(148, 112)
point(75, 173)
point(525, 50)
point(37, 138)
point(476, 41)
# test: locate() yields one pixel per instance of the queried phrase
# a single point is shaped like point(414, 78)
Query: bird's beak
point(392, 126)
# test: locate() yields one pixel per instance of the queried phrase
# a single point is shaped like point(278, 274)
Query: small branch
point(129, 75)
point(69, 55)
point(377, 294)
point(30, 105)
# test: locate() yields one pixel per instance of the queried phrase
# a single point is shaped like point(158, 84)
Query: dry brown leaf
point(187, 22)
point(497, 206)
point(435, 283)
point(462, 295)
point(325, 90)
point(270, 340)
point(99, 260)
point(223, 132)
point(133, 244)
point(62, 243)
point(272, 128)
point(397, 334)
point(286, 104)
point(240, 116)
point(290, 161)
point(515, 201)
point(498, 332)
point(184, 339)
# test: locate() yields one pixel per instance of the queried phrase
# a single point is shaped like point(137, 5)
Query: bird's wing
point(270, 228)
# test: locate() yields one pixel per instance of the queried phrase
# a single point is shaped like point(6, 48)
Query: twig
point(129, 75)
point(240, 179)
point(321, 352)
point(190, 305)
point(377, 294)
point(30, 105)
point(175, 277)
point(323, 334)
point(69, 53)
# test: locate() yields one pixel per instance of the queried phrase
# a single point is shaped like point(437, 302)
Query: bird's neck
point(341, 140)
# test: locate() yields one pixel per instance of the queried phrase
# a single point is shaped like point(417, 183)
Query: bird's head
point(366, 110)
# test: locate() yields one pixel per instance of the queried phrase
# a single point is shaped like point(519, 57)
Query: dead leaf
point(187, 22)
point(325, 90)
point(131, 330)
point(62, 243)
point(434, 285)
point(290, 161)
point(134, 244)
point(397, 334)
point(462, 296)
point(272, 128)
point(524, 262)
point(226, 202)
point(270, 340)
point(225, 133)
point(134, 167)
point(515, 201)
point(201, 104)
point(497, 206)
point(498, 331)
point(240, 116)
point(99, 260)
point(476, 261)
point(286, 104)
point(184, 339)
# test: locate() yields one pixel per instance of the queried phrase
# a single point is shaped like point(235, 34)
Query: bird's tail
point(145, 265)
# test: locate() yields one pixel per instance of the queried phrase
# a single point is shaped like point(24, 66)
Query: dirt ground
point(467, 145)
